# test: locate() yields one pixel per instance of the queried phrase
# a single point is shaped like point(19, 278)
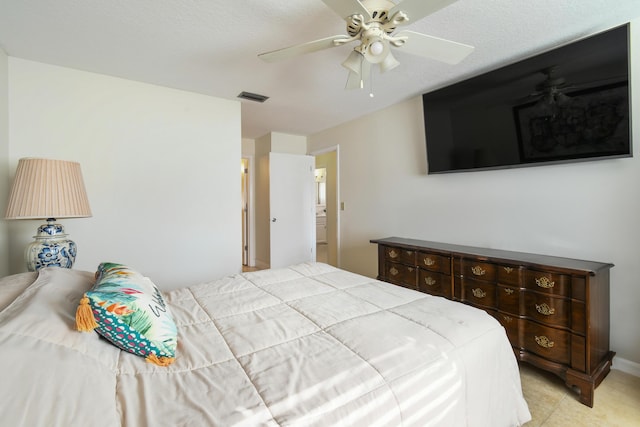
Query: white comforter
point(306, 345)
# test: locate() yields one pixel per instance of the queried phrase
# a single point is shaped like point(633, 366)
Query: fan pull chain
point(371, 95)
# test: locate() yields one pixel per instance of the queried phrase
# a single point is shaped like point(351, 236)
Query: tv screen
point(568, 104)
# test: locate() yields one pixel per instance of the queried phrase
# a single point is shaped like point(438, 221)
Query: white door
point(291, 204)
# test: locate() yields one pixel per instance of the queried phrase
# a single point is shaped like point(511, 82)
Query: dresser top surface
point(496, 254)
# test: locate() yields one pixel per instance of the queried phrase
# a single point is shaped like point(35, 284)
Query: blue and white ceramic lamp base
point(51, 248)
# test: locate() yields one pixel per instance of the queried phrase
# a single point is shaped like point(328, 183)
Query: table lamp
point(48, 189)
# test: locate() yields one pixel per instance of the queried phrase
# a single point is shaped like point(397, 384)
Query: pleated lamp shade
point(48, 189)
point(45, 188)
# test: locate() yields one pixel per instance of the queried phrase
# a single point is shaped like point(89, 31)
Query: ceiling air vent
point(252, 96)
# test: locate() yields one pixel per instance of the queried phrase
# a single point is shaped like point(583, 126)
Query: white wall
point(585, 210)
point(157, 163)
point(4, 159)
point(286, 143)
point(248, 147)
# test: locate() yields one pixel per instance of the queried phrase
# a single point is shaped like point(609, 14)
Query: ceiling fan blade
point(300, 49)
point(346, 8)
point(418, 9)
point(433, 47)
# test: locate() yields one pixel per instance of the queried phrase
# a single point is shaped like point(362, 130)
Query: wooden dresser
point(555, 310)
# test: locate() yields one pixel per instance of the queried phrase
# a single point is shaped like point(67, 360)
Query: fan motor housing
point(379, 12)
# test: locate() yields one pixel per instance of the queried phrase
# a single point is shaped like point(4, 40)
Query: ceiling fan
point(372, 23)
point(552, 88)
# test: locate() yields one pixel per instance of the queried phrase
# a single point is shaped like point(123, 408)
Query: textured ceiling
point(211, 47)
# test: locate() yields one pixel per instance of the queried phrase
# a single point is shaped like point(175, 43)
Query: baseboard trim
point(627, 366)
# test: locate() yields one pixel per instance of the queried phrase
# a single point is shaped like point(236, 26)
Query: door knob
point(274, 220)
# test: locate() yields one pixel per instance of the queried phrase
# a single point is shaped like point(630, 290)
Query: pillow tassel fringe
point(85, 322)
point(160, 361)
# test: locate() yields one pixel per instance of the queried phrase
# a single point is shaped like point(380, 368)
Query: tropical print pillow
point(128, 309)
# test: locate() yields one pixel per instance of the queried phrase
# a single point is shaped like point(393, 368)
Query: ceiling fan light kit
point(372, 24)
point(389, 63)
point(353, 62)
point(376, 48)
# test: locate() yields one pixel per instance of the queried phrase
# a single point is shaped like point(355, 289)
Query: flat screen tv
point(568, 104)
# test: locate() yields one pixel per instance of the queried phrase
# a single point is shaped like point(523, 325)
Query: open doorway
point(327, 206)
point(244, 177)
point(320, 177)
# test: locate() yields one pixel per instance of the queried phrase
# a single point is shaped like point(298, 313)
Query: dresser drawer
point(478, 292)
point(551, 283)
point(434, 283)
point(477, 270)
point(550, 343)
point(400, 255)
point(434, 262)
point(510, 274)
point(509, 299)
point(511, 325)
point(547, 309)
point(401, 274)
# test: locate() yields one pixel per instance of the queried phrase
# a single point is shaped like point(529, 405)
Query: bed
point(307, 345)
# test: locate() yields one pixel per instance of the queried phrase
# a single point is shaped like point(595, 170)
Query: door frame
point(315, 153)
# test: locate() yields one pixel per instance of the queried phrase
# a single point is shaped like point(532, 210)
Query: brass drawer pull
point(478, 271)
point(409, 253)
point(429, 281)
point(393, 271)
point(545, 309)
point(428, 261)
point(544, 342)
point(410, 269)
point(509, 291)
point(393, 254)
point(545, 282)
point(508, 319)
point(478, 293)
point(509, 270)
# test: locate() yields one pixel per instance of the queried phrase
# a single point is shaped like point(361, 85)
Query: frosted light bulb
point(376, 48)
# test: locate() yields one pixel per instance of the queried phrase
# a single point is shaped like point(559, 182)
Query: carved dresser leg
point(584, 386)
